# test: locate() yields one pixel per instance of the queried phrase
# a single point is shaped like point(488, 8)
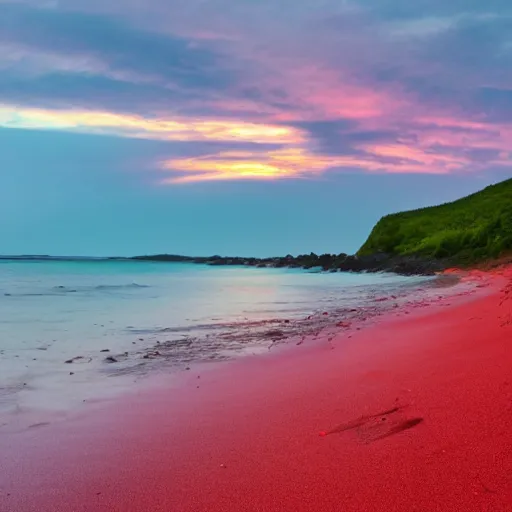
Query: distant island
point(464, 232)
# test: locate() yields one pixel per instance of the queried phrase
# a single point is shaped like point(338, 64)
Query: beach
point(412, 413)
point(87, 329)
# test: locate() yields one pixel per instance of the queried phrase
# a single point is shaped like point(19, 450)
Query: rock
point(378, 262)
point(110, 359)
point(105, 350)
point(73, 359)
point(275, 333)
point(150, 355)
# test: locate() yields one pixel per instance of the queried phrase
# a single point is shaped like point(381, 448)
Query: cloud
point(404, 9)
point(343, 136)
point(299, 162)
point(296, 163)
point(115, 44)
point(293, 89)
point(495, 103)
point(124, 125)
point(93, 92)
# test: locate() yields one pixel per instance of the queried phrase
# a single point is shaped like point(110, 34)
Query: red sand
point(416, 412)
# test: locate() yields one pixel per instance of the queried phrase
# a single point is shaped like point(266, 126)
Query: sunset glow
point(181, 129)
point(323, 103)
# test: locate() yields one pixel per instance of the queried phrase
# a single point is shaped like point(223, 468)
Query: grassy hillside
point(474, 228)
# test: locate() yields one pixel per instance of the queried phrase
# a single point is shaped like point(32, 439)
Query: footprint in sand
point(373, 427)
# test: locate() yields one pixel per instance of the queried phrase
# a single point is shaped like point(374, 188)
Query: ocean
point(75, 331)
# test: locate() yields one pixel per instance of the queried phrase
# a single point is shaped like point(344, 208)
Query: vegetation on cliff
point(471, 229)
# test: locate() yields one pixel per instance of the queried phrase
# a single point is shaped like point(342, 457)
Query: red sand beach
point(411, 414)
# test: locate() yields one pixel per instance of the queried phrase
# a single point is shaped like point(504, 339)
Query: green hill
point(471, 229)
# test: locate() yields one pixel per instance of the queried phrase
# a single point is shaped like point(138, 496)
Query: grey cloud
point(341, 137)
point(173, 59)
point(64, 90)
point(472, 42)
point(408, 9)
point(477, 155)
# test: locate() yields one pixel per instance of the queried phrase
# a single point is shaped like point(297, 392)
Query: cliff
point(475, 228)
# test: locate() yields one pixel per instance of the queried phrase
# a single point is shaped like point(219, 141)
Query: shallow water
point(158, 315)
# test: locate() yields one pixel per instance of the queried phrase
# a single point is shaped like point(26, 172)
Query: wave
point(61, 290)
point(120, 286)
point(66, 289)
point(6, 294)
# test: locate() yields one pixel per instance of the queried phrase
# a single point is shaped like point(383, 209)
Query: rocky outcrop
point(380, 262)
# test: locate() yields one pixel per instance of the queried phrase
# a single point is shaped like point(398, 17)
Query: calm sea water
point(156, 315)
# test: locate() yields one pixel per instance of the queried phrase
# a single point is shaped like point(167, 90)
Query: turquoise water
point(54, 311)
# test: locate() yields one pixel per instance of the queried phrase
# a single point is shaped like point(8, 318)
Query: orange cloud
point(124, 125)
point(284, 163)
point(437, 150)
point(241, 165)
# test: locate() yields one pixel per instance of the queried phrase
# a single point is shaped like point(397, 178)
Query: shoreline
point(28, 401)
point(53, 374)
point(248, 438)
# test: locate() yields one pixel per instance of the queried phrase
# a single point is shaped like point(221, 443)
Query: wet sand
point(411, 414)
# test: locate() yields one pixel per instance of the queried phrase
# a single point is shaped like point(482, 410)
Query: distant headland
point(464, 232)
point(405, 265)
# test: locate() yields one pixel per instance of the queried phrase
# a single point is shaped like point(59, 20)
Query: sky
point(243, 127)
